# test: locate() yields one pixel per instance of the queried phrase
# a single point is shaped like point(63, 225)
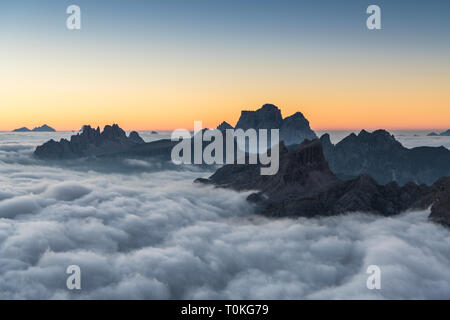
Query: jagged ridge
point(90, 142)
point(385, 159)
point(305, 186)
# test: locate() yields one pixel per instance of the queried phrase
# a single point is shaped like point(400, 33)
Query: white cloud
point(156, 235)
point(67, 191)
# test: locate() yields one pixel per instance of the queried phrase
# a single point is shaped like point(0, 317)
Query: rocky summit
point(224, 126)
point(90, 142)
point(439, 198)
point(380, 155)
point(305, 186)
point(23, 129)
point(293, 129)
point(43, 128)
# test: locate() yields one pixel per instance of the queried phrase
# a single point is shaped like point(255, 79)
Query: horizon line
point(192, 129)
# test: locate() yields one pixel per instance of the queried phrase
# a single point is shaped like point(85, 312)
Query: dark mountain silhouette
point(267, 117)
point(224, 126)
point(293, 129)
point(378, 153)
point(162, 149)
point(385, 159)
point(299, 170)
point(23, 129)
point(44, 128)
point(442, 134)
point(111, 143)
point(439, 197)
point(305, 186)
point(90, 142)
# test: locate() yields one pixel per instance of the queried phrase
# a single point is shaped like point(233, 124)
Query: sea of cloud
point(154, 234)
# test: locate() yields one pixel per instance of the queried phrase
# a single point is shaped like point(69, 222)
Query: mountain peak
point(269, 107)
point(90, 142)
point(293, 129)
point(44, 128)
point(23, 129)
point(224, 126)
point(266, 117)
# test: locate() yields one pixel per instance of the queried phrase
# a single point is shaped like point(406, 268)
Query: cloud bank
point(156, 235)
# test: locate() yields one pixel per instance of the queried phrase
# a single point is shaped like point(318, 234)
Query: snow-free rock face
point(90, 142)
point(304, 169)
point(23, 129)
point(380, 155)
point(267, 117)
point(442, 134)
point(305, 186)
point(135, 137)
point(293, 129)
point(440, 199)
point(44, 128)
point(224, 126)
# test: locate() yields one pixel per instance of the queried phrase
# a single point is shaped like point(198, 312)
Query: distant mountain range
point(90, 142)
point(385, 159)
point(368, 172)
point(442, 134)
point(377, 154)
point(306, 187)
point(293, 129)
point(43, 128)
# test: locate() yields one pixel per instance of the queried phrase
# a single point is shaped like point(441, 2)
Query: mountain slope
point(385, 159)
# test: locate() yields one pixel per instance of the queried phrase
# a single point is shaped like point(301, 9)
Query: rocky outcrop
point(304, 170)
point(113, 142)
point(380, 155)
point(442, 134)
point(90, 142)
point(224, 126)
point(135, 137)
point(439, 198)
point(44, 128)
point(305, 186)
point(267, 117)
point(293, 129)
point(23, 129)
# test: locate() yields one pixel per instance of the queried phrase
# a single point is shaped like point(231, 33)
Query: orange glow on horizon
point(162, 95)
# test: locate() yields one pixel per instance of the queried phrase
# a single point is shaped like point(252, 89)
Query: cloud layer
point(156, 235)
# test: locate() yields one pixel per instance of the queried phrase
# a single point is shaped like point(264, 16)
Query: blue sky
point(241, 53)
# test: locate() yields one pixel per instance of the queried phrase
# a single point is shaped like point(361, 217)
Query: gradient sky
point(162, 64)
